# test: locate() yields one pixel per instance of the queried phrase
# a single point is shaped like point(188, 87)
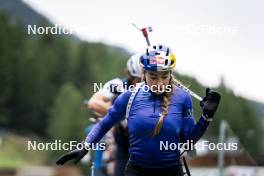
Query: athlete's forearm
point(115, 114)
point(99, 106)
point(102, 127)
point(192, 131)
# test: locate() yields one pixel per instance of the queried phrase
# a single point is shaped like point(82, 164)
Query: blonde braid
point(165, 110)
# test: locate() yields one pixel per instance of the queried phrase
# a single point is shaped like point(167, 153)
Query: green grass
point(14, 153)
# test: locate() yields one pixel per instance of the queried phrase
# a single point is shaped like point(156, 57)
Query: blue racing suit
point(179, 125)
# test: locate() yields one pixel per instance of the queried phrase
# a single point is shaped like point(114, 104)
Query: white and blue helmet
point(133, 65)
point(158, 58)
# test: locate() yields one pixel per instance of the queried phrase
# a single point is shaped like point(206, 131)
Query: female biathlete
point(157, 112)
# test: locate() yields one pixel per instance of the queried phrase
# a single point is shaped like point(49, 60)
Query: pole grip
point(145, 34)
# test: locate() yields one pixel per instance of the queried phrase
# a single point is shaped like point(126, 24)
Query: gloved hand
point(210, 103)
point(75, 154)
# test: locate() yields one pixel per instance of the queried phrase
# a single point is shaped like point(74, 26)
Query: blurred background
point(44, 79)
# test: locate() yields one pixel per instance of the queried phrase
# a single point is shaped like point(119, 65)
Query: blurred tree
point(11, 47)
point(67, 116)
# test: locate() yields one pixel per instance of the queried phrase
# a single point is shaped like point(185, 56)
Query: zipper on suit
point(154, 110)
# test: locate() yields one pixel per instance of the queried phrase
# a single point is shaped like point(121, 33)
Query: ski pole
point(92, 169)
point(189, 91)
point(187, 171)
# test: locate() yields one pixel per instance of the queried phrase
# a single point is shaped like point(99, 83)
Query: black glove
point(75, 154)
point(210, 103)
